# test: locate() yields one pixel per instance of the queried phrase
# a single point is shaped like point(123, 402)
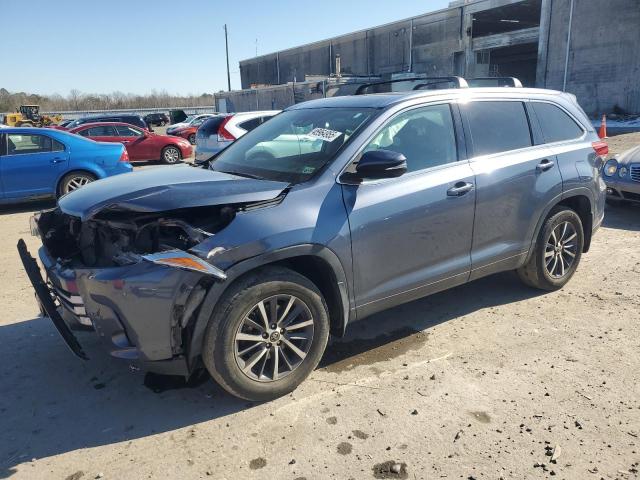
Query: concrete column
point(543, 44)
point(467, 43)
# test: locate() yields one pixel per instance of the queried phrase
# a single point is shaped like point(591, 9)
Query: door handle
point(460, 189)
point(57, 160)
point(545, 165)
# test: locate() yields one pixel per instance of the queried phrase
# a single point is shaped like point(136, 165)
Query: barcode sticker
point(324, 134)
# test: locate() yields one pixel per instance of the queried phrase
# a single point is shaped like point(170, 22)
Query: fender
point(239, 269)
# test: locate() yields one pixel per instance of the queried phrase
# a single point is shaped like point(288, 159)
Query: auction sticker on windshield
point(324, 134)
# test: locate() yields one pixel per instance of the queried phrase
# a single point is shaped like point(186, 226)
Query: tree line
point(77, 100)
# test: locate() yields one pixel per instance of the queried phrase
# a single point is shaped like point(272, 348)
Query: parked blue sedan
point(38, 163)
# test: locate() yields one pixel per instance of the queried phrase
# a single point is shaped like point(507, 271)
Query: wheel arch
point(315, 262)
point(581, 202)
point(95, 173)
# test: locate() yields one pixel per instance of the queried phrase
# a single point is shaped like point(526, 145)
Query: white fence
point(138, 111)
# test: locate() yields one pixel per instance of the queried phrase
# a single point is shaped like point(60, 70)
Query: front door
point(31, 164)
point(139, 146)
point(411, 235)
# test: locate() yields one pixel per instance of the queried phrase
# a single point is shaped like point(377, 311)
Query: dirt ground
point(486, 381)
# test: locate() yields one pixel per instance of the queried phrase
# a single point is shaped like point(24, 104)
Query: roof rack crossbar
point(507, 81)
point(458, 81)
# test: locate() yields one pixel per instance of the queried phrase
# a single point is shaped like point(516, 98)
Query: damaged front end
point(128, 273)
point(119, 238)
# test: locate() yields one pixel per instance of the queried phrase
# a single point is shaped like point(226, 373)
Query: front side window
point(25, 144)
point(101, 131)
point(556, 125)
point(425, 136)
point(293, 146)
point(498, 127)
point(125, 131)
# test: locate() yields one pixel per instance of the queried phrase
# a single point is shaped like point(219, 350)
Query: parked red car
point(141, 145)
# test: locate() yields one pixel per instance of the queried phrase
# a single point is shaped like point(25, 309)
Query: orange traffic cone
point(603, 127)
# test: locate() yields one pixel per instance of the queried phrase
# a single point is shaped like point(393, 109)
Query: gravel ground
point(488, 380)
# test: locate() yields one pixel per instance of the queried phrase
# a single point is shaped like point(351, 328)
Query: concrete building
point(587, 47)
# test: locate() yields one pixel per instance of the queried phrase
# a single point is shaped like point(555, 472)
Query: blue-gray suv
point(330, 212)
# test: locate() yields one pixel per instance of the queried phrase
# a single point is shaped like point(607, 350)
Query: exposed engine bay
point(120, 237)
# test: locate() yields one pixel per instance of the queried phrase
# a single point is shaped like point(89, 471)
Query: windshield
point(294, 145)
point(188, 119)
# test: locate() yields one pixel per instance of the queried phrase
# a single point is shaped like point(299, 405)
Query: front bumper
point(136, 310)
point(622, 188)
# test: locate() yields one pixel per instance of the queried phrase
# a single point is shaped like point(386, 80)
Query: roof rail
point(459, 82)
point(495, 82)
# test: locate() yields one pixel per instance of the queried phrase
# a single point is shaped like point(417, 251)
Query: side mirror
point(377, 164)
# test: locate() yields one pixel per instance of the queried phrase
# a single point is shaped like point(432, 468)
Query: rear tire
point(304, 323)
point(192, 139)
point(171, 155)
point(74, 180)
point(557, 251)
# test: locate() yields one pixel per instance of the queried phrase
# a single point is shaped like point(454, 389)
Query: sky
point(133, 46)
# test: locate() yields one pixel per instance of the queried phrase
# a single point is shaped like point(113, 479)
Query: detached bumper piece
point(46, 301)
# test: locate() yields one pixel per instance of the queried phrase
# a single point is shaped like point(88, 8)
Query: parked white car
point(219, 132)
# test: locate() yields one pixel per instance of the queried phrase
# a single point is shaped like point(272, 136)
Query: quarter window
point(498, 127)
point(556, 125)
point(425, 136)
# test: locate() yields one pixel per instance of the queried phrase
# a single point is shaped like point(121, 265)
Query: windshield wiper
point(239, 174)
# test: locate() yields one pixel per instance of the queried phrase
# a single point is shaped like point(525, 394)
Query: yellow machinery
point(29, 116)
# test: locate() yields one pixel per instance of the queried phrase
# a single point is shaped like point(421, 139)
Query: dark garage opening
point(518, 61)
point(509, 18)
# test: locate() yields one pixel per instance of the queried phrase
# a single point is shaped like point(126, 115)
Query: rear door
point(411, 235)
point(31, 165)
point(515, 179)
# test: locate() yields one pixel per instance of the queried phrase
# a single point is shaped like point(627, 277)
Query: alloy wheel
point(171, 155)
point(76, 182)
point(561, 250)
point(274, 338)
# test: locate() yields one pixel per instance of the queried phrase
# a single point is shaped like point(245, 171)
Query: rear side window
point(250, 124)
point(57, 146)
point(556, 125)
point(26, 144)
point(498, 127)
point(210, 126)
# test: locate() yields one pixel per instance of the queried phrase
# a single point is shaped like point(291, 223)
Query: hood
point(167, 188)
point(630, 156)
point(177, 126)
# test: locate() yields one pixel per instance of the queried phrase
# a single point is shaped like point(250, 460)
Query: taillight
point(223, 134)
point(601, 148)
point(124, 157)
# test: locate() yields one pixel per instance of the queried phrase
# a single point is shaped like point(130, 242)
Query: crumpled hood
point(630, 156)
point(167, 188)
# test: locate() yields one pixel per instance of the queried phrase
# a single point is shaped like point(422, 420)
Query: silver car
point(622, 176)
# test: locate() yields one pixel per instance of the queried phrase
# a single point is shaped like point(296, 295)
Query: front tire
point(266, 335)
point(557, 253)
point(171, 155)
